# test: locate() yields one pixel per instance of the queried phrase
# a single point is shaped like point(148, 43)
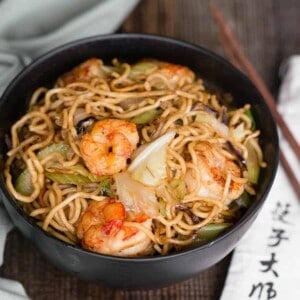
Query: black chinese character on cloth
point(277, 237)
point(264, 291)
point(268, 264)
point(281, 212)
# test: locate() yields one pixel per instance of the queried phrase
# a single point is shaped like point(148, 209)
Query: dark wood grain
point(44, 281)
point(253, 21)
point(269, 33)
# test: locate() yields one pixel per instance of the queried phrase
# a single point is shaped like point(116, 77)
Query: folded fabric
point(33, 26)
point(12, 290)
point(29, 28)
point(264, 264)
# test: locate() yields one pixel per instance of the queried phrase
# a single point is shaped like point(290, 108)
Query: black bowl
point(149, 272)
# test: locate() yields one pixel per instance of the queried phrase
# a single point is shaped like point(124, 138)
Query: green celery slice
point(146, 117)
point(252, 164)
point(211, 231)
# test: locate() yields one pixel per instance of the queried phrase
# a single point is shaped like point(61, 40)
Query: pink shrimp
point(212, 172)
point(107, 147)
point(176, 75)
point(83, 72)
point(101, 229)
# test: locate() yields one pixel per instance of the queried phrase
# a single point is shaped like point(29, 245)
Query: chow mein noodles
point(133, 159)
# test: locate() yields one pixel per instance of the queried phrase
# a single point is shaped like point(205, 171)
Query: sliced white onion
point(135, 196)
point(213, 122)
point(150, 148)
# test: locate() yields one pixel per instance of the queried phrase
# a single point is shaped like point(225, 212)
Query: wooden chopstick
point(254, 76)
point(236, 55)
point(287, 168)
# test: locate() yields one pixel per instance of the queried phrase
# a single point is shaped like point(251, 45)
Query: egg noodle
point(199, 171)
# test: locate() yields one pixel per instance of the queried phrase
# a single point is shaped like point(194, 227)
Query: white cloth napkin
point(29, 28)
point(265, 264)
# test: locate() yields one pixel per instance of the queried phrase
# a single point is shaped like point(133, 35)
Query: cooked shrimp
point(107, 147)
point(213, 170)
point(84, 72)
point(102, 229)
point(176, 75)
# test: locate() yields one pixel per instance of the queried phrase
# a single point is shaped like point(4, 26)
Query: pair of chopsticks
point(237, 57)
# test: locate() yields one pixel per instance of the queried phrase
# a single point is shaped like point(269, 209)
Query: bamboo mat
point(43, 281)
point(269, 32)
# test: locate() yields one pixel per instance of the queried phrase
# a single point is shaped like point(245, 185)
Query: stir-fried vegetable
point(249, 114)
point(23, 184)
point(210, 119)
point(252, 161)
point(61, 148)
point(67, 178)
point(76, 174)
point(146, 117)
point(136, 196)
point(178, 189)
point(210, 231)
point(149, 167)
point(162, 206)
point(244, 200)
point(252, 164)
point(239, 132)
point(106, 186)
point(142, 68)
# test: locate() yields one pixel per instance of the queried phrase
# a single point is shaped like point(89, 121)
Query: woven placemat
point(257, 23)
point(44, 281)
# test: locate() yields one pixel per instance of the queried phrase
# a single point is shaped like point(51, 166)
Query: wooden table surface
point(269, 33)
